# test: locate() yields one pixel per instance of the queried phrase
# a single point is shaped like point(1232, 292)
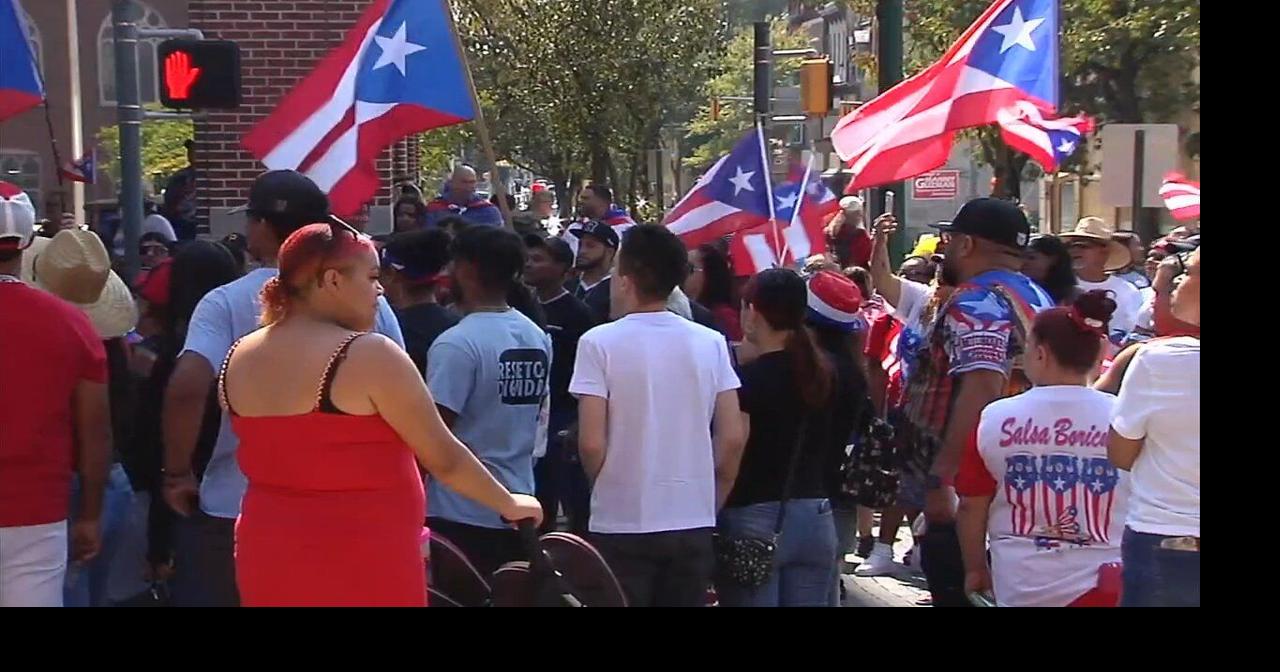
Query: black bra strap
point(324, 403)
point(222, 378)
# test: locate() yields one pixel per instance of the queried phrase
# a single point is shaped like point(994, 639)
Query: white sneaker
point(879, 564)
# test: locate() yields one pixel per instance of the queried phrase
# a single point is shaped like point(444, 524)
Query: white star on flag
point(787, 202)
point(395, 49)
point(742, 181)
point(1017, 31)
point(1066, 147)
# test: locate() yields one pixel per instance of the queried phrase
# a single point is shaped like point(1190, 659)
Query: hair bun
point(1096, 307)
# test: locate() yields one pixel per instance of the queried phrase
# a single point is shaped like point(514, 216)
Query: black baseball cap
point(559, 250)
point(286, 193)
point(600, 230)
point(993, 219)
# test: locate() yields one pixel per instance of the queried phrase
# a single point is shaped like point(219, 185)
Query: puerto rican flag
point(398, 72)
point(1181, 196)
point(82, 170)
point(1009, 54)
point(1049, 141)
point(806, 205)
point(733, 195)
point(20, 85)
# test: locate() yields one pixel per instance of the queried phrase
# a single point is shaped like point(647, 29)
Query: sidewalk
point(904, 589)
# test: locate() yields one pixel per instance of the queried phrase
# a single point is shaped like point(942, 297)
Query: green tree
point(1122, 61)
point(163, 153)
point(575, 90)
point(713, 136)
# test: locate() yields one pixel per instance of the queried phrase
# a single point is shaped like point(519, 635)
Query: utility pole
point(889, 57)
point(124, 16)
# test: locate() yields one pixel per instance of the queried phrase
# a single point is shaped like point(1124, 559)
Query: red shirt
point(47, 346)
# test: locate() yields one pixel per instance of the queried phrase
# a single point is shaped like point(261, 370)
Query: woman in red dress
point(330, 420)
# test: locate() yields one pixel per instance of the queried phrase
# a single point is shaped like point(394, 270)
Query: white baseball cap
point(17, 217)
point(851, 203)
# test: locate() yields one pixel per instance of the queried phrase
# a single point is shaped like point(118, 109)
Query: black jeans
point(661, 569)
point(204, 562)
point(487, 548)
point(943, 565)
point(561, 481)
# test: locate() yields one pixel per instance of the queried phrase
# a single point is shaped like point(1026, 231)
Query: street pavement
point(906, 588)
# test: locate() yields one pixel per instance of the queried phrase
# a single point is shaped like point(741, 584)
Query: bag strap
point(792, 464)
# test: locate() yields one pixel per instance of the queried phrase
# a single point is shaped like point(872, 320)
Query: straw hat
point(1094, 228)
point(74, 266)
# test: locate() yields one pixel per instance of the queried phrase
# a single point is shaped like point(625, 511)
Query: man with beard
point(597, 244)
point(970, 356)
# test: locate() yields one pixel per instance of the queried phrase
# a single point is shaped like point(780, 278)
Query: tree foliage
point(163, 153)
point(574, 90)
point(712, 137)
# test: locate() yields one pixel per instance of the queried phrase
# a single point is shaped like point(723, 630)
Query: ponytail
point(813, 370)
point(275, 302)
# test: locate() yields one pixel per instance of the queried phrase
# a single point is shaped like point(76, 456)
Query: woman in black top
point(788, 394)
point(171, 294)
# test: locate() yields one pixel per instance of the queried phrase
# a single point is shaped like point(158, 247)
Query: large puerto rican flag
point(734, 194)
point(1049, 141)
point(398, 72)
point(1009, 54)
point(20, 87)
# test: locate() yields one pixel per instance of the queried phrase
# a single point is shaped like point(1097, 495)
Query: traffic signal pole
point(129, 117)
point(124, 15)
point(889, 55)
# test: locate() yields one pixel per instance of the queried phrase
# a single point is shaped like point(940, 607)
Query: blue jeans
point(1158, 577)
point(100, 582)
point(805, 567)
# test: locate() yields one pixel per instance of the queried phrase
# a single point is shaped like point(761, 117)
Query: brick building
point(280, 41)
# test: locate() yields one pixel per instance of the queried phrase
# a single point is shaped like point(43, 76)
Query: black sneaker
point(865, 544)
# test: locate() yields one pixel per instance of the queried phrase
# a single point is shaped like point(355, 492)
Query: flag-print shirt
point(981, 327)
point(1058, 505)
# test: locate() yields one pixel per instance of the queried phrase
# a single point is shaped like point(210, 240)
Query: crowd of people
point(273, 419)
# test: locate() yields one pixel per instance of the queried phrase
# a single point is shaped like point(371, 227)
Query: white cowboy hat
point(74, 266)
point(1095, 228)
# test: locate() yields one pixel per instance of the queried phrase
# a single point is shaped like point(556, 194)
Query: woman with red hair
point(330, 419)
point(1036, 481)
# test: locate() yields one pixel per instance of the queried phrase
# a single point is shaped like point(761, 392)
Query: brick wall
point(280, 43)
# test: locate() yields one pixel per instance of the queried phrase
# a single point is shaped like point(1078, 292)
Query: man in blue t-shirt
point(489, 375)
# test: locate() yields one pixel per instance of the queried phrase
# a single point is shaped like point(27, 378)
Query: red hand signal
point(179, 75)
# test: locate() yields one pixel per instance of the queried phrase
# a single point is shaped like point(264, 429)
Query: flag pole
point(768, 183)
point(482, 130)
point(804, 192)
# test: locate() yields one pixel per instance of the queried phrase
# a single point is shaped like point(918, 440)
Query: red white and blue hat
point(834, 301)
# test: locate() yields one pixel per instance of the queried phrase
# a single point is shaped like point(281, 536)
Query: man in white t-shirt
point(1156, 436)
point(1094, 253)
point(660, 431)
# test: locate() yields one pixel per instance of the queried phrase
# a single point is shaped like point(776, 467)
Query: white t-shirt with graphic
point(1160, 404)
point(1058, 505)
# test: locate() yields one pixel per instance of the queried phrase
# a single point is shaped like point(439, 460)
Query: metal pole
point(77, 124)
point(889, 55)
point(762, 78)
point(482, 130)
point(1139, 151)
point(124, 14)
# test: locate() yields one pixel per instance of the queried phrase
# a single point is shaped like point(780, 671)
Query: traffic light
point(816, 75)
point(198, 74)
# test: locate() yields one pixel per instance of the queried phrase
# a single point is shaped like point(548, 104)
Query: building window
point(148, 84)
point(22, 168)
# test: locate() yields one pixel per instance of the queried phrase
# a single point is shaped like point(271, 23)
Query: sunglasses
point(153, 250)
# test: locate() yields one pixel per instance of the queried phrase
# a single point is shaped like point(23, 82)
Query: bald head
point(462, 184)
